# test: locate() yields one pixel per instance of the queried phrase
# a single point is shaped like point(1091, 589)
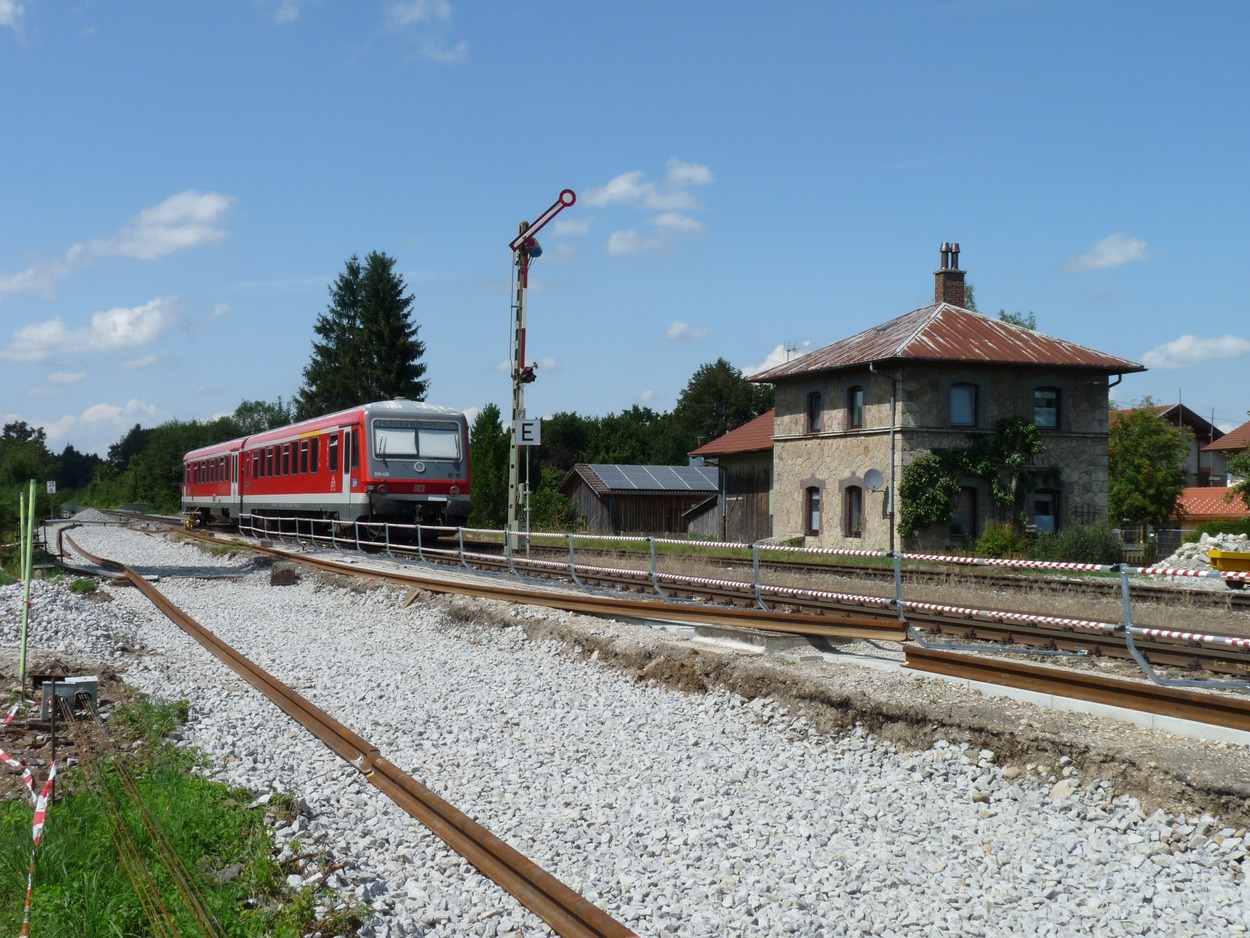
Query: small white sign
point(527, 432)
point(51, 488)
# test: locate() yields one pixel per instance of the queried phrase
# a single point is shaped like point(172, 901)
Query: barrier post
point(755, 563)
point(898, 584)
point(655, 578)
point(573, 564)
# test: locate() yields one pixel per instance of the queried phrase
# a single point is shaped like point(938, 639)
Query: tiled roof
point(752, 437)
point(1236, 439)
point(1209, 504)
point(605, 479)
point(945, 333)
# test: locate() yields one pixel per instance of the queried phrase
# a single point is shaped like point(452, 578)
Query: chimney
point(948, 284)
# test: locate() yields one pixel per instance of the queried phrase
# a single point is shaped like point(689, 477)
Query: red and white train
point(391, 461)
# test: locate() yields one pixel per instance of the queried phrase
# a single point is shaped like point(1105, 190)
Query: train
point(397, 461)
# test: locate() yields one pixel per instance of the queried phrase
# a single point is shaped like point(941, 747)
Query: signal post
point(525, 248)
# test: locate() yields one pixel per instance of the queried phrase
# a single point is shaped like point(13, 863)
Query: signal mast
point(525, 247)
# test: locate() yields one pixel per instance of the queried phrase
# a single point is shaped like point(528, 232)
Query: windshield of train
point(409, 439)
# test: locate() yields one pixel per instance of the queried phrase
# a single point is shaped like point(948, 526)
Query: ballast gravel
point(680, 814)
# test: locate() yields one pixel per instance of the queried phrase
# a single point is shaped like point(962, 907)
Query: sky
point(182, 183)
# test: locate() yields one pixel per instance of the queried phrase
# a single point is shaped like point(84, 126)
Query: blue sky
point(182, 183)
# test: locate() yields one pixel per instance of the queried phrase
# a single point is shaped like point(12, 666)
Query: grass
point(81, 887)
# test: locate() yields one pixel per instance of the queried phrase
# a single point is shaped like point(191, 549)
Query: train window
point(286, 459)
point(396, 439)
point(352, 441)
point(303, 457)
point(269, 462)
point(332, 457)
point(314, 448)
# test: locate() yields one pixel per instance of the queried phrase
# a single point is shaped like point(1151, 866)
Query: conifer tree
point(366, 347)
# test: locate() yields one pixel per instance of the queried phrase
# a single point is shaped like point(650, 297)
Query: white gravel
point(681, 815)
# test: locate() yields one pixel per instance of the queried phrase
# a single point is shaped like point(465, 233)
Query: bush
point(83, 587)
point(1001, 540)
point(1094, 543)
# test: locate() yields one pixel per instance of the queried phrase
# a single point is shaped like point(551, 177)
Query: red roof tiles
point(752, 437)
point(1208, 504)
point(1236, 439)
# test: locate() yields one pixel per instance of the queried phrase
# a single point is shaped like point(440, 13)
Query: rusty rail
point(565, 911)
point(1215, 709)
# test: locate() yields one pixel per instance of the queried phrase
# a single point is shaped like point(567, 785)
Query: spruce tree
point(366, 347)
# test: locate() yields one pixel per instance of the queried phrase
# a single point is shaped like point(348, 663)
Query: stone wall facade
point(911, 408)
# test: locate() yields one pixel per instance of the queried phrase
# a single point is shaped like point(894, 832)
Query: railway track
point(924, 632)
point(565, 911)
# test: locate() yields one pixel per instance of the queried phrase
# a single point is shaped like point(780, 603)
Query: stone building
point(851, 416)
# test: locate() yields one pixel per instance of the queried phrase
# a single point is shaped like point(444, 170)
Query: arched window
point(811, 507)
point(853, 511)
point(815, 415)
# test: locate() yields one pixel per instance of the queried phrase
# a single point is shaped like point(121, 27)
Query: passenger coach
point(391, 461)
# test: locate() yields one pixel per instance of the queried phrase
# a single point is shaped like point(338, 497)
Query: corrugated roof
point(607, 479)
point(752, 437)
point(1236, 439)
point(1209, 504)
point(946, 333)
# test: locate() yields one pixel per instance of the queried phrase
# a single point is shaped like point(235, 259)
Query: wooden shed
point(744, 457)
point(615, 499)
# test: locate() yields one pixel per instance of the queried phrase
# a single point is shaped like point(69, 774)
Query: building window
point(815, 416)
point(854, 408)
point(963, 405)
point(812, 507)
point(1044, 509)
point(1046, 408)
point(853, 512)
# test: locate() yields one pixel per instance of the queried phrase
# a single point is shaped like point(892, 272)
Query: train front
point(418, 467)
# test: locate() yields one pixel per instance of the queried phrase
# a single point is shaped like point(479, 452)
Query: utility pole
point(525, 247)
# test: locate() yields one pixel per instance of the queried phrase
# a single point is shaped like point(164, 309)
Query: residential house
point(850, 417)
point(1203, 466)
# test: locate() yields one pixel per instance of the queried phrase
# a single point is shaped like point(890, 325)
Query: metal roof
point(946, 333)
point(752, 437)
point(605, 479)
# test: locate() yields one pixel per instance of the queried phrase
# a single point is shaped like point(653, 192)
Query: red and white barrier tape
point(36, 835)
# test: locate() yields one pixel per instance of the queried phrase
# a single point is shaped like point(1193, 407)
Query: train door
point(351, 471)
point(235, 484)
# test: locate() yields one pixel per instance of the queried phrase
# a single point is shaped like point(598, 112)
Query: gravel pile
point(1195, 555)
point(681, 814)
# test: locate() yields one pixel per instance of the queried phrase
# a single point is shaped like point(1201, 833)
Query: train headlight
point(383, 489)
point(455, 490)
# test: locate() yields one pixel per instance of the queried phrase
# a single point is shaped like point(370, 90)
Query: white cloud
point(683, 332)
point(11, 13)
point(221, 309)
point(138, 364)
point(779, 356)
point(412, 12)
point(288, 11)
point(631, 242)
point(647, 396)
point(63, 377)
point(1112, 251)
point(188, 219)
point(571, 226)
point(109, 331)
point(673, 200)
point(182, 221)
point(104, 421)
point(435, 51)
point(1191, 350)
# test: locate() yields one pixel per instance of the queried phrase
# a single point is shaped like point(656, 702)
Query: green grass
point(82, 888)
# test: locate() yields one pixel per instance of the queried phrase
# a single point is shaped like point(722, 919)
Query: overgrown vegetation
point(81, 887)
point(1092, 543)
point(1213, 528)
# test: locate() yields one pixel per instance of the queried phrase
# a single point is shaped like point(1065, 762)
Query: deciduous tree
point(1146, 464)
point(717, 399)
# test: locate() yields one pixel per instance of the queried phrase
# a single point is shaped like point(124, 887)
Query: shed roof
point(606, 479)
point(1209, 504)
point(946, 333)
point(752, 437)
point(1235, 440)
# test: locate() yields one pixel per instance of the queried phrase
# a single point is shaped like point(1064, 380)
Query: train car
point(390, 461)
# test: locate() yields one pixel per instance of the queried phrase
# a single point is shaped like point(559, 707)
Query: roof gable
point(1234, 440)
point(946, 333)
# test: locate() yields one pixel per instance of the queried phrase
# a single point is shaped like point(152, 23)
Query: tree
point(1146, 464)
point(1239, 466)
point(717, 399)
point(1018, 319)
point(489, 445)
point(76, 469)
point(258, 416)
point(368, 348)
